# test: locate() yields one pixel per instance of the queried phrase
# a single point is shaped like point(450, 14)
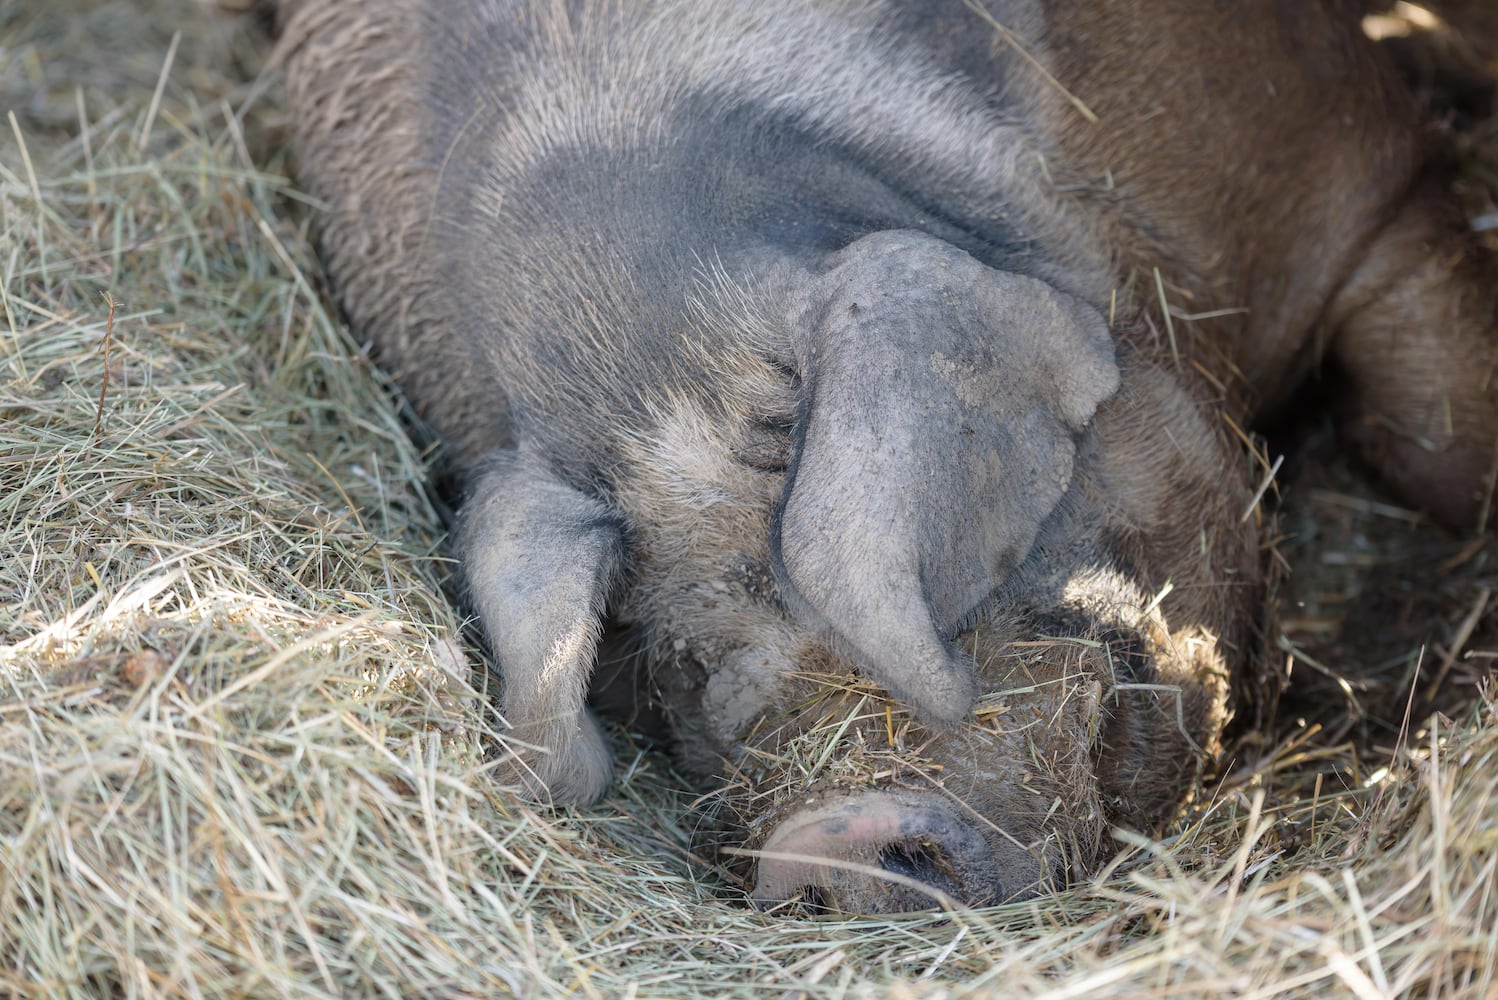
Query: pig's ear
point(540, 560)
point(942, 403)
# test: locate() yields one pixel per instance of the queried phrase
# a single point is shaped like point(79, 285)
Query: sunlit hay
point(1400, 21)
point(243, 747)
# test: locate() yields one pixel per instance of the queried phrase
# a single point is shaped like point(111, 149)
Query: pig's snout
point(882, 852)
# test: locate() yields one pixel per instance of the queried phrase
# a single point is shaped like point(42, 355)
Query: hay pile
point(244, 746)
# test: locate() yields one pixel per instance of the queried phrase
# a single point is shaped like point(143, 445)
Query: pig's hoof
point(878, 852)
point(574, 770)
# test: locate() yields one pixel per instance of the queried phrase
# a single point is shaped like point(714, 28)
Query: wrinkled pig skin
point(817, 350)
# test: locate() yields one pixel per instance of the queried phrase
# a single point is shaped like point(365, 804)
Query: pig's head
point(923, 472)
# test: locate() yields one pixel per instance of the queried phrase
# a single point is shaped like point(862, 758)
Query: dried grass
point(241, 750)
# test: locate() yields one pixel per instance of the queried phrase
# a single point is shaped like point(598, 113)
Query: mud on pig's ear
point(943, 399)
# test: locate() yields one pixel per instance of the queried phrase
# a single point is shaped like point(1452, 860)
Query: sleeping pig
point(877, 371)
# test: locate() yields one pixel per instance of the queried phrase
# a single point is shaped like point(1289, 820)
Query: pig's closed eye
point(765, 446)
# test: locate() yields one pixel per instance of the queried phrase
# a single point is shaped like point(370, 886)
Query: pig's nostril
point(921, 860)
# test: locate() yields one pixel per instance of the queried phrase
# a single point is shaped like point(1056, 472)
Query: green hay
point(245, 749)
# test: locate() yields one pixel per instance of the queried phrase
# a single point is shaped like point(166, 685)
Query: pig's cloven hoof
point(883, 852)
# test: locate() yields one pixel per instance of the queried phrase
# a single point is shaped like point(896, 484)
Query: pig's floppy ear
point(540, 560)
point(943, 400)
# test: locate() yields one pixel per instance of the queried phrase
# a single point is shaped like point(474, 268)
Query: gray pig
point(818, 348)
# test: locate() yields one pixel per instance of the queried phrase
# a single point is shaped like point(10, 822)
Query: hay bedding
point(241, 749)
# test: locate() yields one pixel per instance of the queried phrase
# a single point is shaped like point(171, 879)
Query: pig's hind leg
point(1415, 338)
point(540, 560)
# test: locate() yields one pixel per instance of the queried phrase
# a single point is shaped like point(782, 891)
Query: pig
point(869, 379)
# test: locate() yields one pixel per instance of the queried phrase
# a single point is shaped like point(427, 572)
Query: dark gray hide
point(693, 260)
